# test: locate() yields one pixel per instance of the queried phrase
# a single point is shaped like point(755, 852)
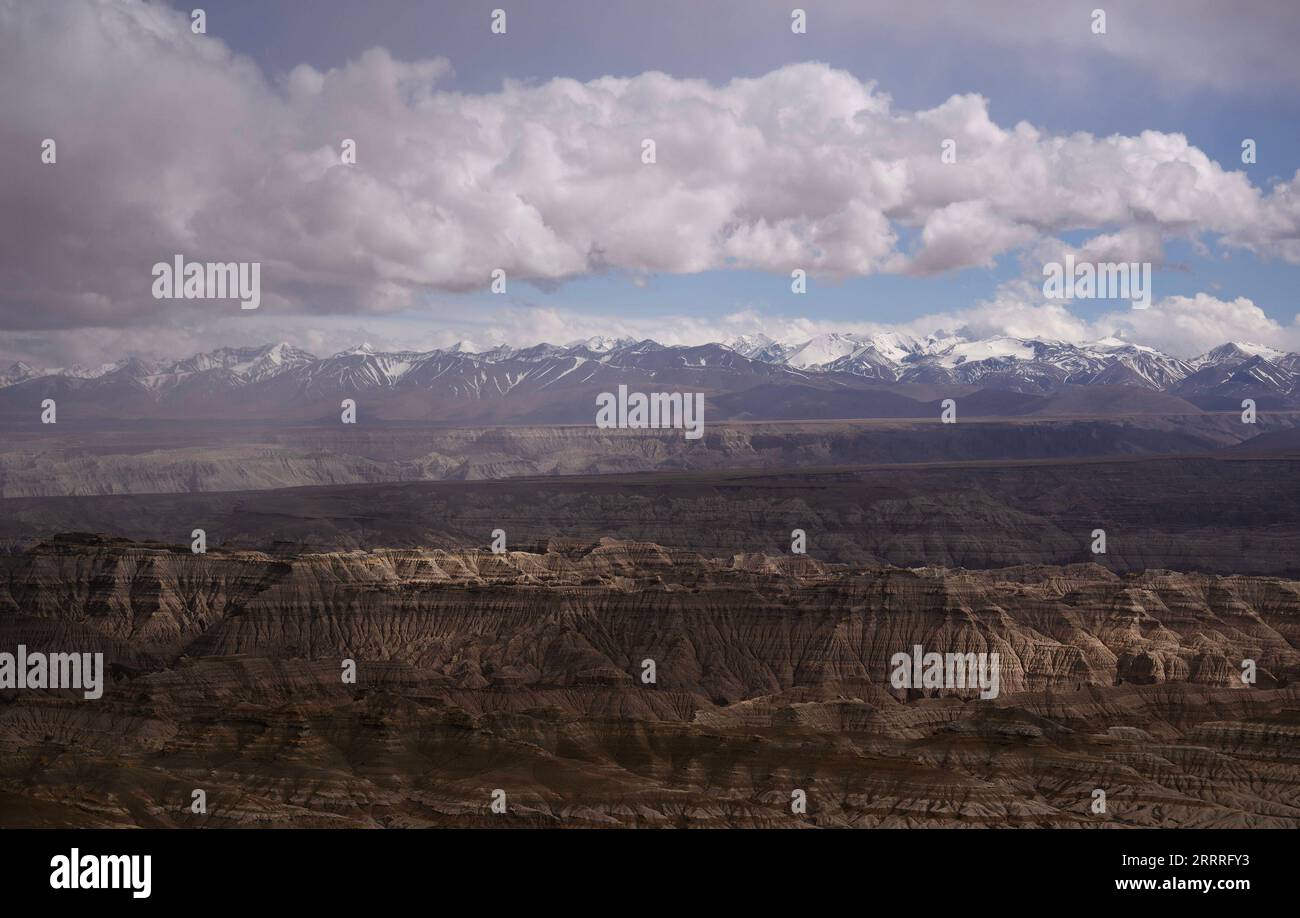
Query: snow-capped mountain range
point(279, 380)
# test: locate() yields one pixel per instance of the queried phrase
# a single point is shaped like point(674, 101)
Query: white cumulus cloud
point(169, 143)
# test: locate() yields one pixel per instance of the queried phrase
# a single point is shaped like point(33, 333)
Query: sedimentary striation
point(525, 672)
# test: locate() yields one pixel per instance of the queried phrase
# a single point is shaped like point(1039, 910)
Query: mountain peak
point(1238, 351)
point(601, 343)
point(1258, 350)
point(272, 373)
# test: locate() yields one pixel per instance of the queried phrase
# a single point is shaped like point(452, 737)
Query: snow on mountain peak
point(881, 356)
point(823, 349)
point(601, 343)
point(1237, 351)
point(1259, 350)
point(961, 352)
point(894, 346)
point(746, 344)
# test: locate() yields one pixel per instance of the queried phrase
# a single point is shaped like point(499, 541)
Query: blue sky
point(470, 147)
point(919, 66)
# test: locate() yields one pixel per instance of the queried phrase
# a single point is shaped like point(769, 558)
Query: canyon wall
point(523, 671)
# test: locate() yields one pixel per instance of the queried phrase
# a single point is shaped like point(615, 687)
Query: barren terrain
point(521, 672)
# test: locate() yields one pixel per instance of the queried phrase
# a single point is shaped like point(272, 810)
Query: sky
point(524, 152)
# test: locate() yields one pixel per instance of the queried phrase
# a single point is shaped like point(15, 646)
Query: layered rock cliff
point(524, 672)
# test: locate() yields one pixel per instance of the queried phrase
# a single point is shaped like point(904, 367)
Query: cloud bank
point(169, 143)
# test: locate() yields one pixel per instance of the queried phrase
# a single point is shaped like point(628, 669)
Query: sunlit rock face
point(526, 671)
